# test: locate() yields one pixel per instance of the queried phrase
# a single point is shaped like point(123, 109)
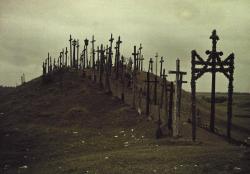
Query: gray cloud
point(31, 28)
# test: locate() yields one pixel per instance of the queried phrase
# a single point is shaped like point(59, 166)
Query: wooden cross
point(178, 85)
point(213, 64)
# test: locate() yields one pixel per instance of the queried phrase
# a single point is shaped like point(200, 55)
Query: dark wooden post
point(161, 62)
point(156, 63)
point(230, 96)
point(86, 42)
point(93, 51)
point(110, 50)
point(134, 54)
point(148, 94)
point(101, 65)
point(193, 96)
point(150, 67)
point(170, 109)
point(70, 50)
point(140, 58)
point(77, 58)
point(74, 51)
point(66, 57)
point(178, 82)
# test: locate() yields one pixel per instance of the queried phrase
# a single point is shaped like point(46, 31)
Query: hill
point(72, 126)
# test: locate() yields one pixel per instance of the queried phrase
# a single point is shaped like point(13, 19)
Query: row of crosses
point(107, 65)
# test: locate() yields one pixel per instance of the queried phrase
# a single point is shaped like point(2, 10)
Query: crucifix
point(62, 57)
point(70, 50)
point(178, 84)
point(161, 62)
point(213, 64)
point(86, 42)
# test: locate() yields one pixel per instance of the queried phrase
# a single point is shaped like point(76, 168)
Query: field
point(75, 128)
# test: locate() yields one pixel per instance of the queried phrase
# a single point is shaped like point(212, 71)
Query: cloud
point(30, 29)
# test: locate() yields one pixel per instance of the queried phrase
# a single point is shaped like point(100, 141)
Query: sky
point(29, 29)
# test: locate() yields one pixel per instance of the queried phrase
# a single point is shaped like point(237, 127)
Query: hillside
point(72, 126)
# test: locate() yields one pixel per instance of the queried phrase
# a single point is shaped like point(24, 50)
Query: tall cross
point(74, 51)
point(178, 85)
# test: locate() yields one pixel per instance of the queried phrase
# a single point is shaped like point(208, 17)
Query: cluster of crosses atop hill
point(104, 66)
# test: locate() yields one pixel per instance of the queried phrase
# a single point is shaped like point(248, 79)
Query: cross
point(213, 64)
point(161, 62)
point(178, 85)
point(135, 54)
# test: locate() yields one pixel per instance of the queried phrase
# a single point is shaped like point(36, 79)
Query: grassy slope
point(73, 131)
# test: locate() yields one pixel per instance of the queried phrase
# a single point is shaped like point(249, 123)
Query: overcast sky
point(29, 29)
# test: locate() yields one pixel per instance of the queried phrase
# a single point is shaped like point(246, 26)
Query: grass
point(80, 129)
